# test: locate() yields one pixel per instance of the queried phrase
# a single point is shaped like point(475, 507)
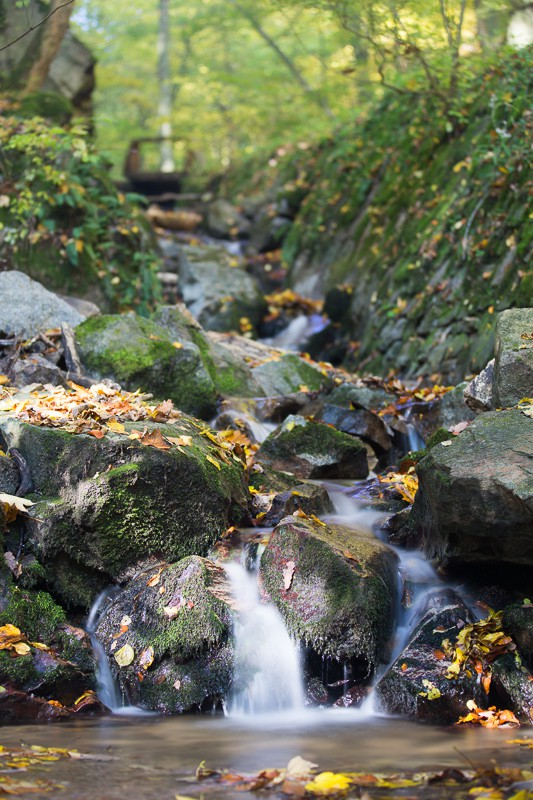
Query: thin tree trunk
point(53, 34)
point(289, 63)
point(165, 87)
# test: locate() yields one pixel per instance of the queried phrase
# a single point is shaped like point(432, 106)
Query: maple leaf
point(154, 439)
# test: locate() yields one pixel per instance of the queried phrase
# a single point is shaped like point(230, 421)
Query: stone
point(35, 368)
point(311, 449)
point(289, 374)
point(478, 393)
point(306, 497)
point(514, 687)
point(107, 504)
point(224, 221)
point(358, 422)
point(84, 307)
point(339, 598)
point(475, 499)
point(140, 354)
point(513, 364)
point(180, 638)
point(415, 685)
point(517, 621)
point(28, 308)
point(9, 475)
point(220, 296)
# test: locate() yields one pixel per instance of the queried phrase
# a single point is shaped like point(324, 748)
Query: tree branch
point(41, 22)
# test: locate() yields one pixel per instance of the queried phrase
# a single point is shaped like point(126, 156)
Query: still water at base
point(157, 758)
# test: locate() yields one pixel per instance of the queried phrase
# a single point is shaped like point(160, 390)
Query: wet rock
point(107, 503)
point(349, 395)
point(513, 686)
point(517, 621)
point(267, 231)
point(358, 422)
point(177, 630)
point(278, 408)
point(513, 364)
point(475, 501)
point(138, 353)
point(479, 392)
point(17, 707)
point(415, 686)
point(289, 374)
point(335, 588)
point(28, 308)
point(220, 296)
point(224, 221)
point(307, 497)
point(313, 450)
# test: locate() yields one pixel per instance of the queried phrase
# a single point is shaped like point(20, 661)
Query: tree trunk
point(54, 31)
point(165, 87)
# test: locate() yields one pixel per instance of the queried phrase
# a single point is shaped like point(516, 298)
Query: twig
point(41, 22)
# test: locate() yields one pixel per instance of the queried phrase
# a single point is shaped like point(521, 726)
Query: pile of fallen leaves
point(476, 647)
point(488, 718)
point(16, 642)
point(290, 302)
point(404, 483)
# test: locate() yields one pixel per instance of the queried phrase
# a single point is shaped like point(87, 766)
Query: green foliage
point(64, 221)
point(34, 613)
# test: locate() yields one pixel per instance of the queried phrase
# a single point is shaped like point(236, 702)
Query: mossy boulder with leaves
point(106, 504)
point(335, 588)
point(168, 636)
point(311, 449)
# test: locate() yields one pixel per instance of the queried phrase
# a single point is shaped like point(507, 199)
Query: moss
point(439, 436)
point(36, 614)
point(16, 671)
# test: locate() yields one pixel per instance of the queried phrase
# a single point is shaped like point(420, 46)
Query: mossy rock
point(179, 637)
point(311, 449)
point(513, 366)
point(106, 504)
point(517, 621)
point(341, 597)
point(475, 499)
point(288, 374)
point(139, 354)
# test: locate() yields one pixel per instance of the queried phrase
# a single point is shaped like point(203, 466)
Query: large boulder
point(475, 497)
point(416, 686)
point(167, 637)
point(288, 373)
point(28, 308)
point(513, 366)
point(313, 450)
point(335, 588)
point(140, 354)
point(221, 297)
point(107, 504)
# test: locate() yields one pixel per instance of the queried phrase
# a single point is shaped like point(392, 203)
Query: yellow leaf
point(177, 345)
point(213, 461)
point(125, 655)
point(21, 648)
point(146, 659)
point(116, 427)
point(3, 379)
point(328, 783)
point(8, 630)
point(180, 441)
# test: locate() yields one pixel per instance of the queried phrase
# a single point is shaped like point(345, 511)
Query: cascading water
point(268, 675)
point(108, 692)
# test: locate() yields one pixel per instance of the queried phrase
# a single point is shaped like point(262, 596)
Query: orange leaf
point(154, 439)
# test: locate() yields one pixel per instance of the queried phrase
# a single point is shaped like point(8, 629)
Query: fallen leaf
point(115, 427)
point(299, 767)
point(327, 783)
point(171, 612)
point(125, 655)
point(180, 441)
point(154, 439)
point(146, 659)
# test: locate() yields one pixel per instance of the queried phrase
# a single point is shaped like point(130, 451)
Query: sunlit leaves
point(488, 718)
point(405, 484)
point(125, 655)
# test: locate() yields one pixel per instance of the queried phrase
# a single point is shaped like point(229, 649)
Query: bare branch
point(37, 24)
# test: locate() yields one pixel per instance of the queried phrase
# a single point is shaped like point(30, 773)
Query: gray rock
point(83, 307)
point(313, 450)
point(415, 686)
point(224, 221)
point(27, 308)
point(475, 501)
point(478, 393)
point(358, 422)
point(513, 366)
point(517, 621)
point(340, 597)
point(36, 369)
point(180, 638)
point(288, 374)
point(514, 686)
point(307, 497)
point(9, 475)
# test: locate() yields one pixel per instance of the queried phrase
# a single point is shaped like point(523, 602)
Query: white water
point(108, 692)
point(267, 674)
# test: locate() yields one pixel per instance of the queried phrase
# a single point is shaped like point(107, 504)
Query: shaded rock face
point(358, 422)
point(475, 501)
point(335, 588)
point(514, 687)
point(513, 364)
point(287, 374)
point(479, 392)
point(313, 450)
point(517, 621)
point(28, 308)
point(105, 504)
point(415, 686)
point(179, 634)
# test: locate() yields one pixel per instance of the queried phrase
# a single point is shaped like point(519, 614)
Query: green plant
point(63, 219)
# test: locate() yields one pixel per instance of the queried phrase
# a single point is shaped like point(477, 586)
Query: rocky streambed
point(151, 448)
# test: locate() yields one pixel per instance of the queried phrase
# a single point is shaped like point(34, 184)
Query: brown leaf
point(154, 439)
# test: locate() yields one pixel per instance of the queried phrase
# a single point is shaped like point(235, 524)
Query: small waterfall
point(108, 691)
point(267, 662)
